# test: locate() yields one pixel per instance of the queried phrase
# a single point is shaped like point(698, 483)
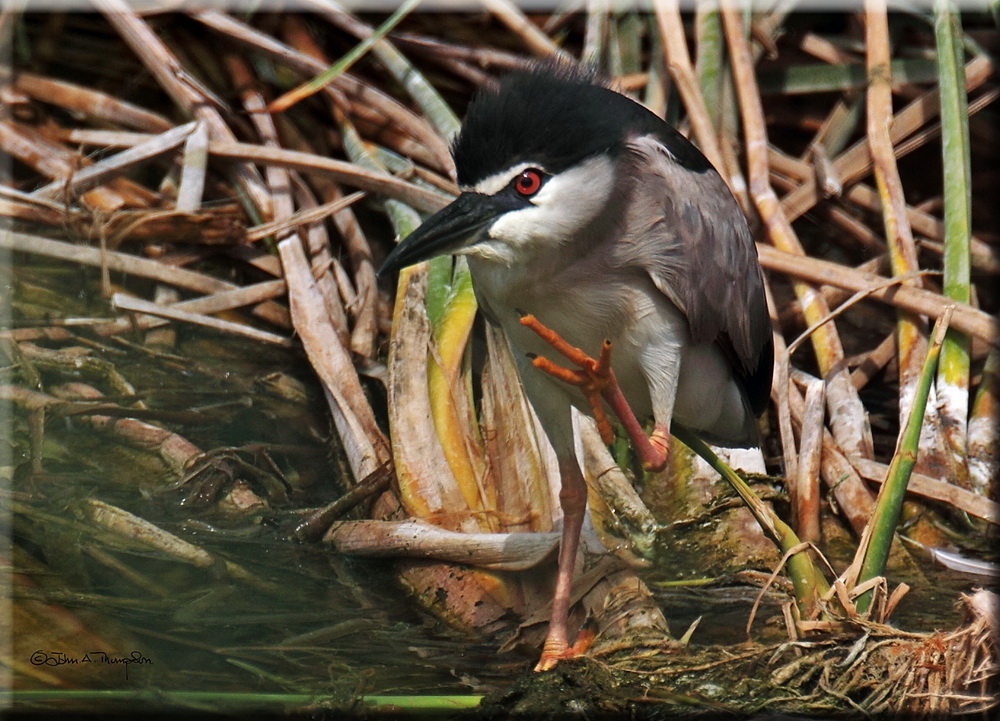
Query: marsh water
point(298, 619)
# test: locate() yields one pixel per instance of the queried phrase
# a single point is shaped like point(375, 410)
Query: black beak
point(455, 226)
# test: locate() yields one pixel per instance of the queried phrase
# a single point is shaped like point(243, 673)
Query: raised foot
point(555, 651)
point(597, 382)
point(592, 377)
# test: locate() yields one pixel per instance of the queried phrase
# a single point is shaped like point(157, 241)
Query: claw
point(555, 340)
point(659, 440)
point(556, 651)
point(592, 378)
point(596, 380)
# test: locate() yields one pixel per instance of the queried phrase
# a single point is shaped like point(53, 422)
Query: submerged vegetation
point(217, 411)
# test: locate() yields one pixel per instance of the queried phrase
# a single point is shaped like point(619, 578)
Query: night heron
point(587, 220)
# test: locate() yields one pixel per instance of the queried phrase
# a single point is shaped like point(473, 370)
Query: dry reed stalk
point(836, 469)
point(534, 39)
point(364, 444)
point(194, 169)
point(679, 66)
point(33, 210)
point(165, 336)
point(780, 384)
point(916, 300)
point(305, 216)
point(385, 108)
point(94, 104)
point(414, 539)
point(475, 56)
point(215, 303)
point(218, 302)
point(120, 262)
point(847, 414)
point(249, 295)
point(99, 138)
point(911, 332)
point(309, 301)
point(364, 337)
point(335, 285)
point(833, 295)
point(146, 268)
point(256, 257)
point(281, 183)
point(594, 32)
point(99, 173)
point(805, 499)
point(137, 305)
point(855, 162)
point(936, 489)
point(56, 162)
point(866, 197)
point(343, 172)
point(364, 306)
point(821, 48)
point(179, 84)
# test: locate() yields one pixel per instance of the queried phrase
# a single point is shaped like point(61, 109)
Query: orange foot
point(555, 651)
point(596, 380)
point(593, 377)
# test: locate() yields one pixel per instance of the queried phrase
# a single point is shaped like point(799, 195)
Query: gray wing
point(698, 251)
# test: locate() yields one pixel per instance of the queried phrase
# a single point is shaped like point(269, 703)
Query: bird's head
point(537, 163)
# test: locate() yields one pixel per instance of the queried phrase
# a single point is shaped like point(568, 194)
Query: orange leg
point(596, 380)
point(573, 499)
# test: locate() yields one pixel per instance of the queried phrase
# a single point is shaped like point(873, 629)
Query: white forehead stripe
point(497, 182)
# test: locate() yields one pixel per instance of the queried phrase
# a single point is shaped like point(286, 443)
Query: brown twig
point(92, 103)
point(916, 300)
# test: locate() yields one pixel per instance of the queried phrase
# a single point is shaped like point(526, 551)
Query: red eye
point(528, 182)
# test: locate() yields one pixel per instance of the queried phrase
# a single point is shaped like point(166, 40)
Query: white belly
point(651, 346)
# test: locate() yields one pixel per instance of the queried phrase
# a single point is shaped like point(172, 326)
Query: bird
point(594, 228)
